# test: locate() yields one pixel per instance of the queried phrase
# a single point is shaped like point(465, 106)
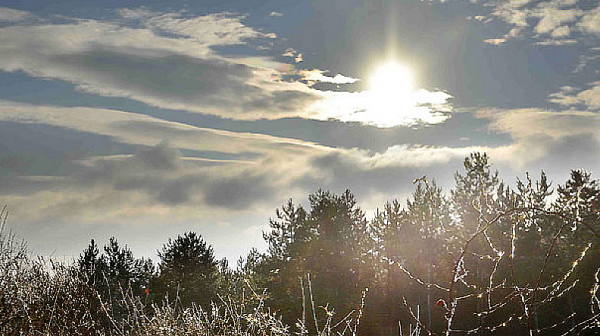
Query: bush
point(40, 297)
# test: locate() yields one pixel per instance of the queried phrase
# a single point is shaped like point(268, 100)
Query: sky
point(146, 119)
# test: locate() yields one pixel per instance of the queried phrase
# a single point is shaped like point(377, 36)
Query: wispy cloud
point(549, 22)
point(547, 135)
point(182, 72)
point(317, 75)
point(211, 29)
point(590, 22)
point(220, 170)
point(550, 42)
point(495, 41)
point(12, 15)
point(569, 96)
point(168, 60)
point(156, 174)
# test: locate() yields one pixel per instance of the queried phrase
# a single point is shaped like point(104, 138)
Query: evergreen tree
point(391, 243)
point(430, 235)
point(115, 269)
point(188, 271)
point(579, 199)
point(474, 192)
point(331, 242)
point(120, 263)
point(114, 274)
point(91, 264)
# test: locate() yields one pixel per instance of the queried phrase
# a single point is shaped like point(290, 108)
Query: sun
point(391, 79)
point(391, 92)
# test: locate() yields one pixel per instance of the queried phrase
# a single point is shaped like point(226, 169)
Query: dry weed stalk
point(502, 294)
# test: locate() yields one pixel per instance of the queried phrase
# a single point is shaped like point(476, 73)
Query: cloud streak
point(251, 171)
point(317, 75)
point(12, 15)
point(174, 73)
point(546, 135)
point(168, 60)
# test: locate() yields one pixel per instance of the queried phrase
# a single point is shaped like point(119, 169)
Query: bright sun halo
point(391, 93)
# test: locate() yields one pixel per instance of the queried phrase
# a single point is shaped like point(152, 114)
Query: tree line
point(483, 258)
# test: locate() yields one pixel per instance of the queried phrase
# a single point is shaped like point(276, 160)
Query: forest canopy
point(481, 258)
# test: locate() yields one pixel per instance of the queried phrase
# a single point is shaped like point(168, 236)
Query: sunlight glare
point(391, 79)
point(391, 87)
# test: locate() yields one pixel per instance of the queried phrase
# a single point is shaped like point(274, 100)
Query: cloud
point(584, 60)
point(139, 129)
point(168, 60)
point(417, 107)
point(316, 75)
point(198, 171)
point(241, 191)
point(562, 31)
point(211, 29)
point(551, 21)
point(537, 134)
point(180, 82)
point(495, 41)
point(552, 16)
point(556, 42)
point(138, 63)
point(154, 174)
point(514, 13)
point(569, 96)
point(12, 15)
point(290, 52)
point(413, 156)
point(381, 176)
point(591, 21)
point(478, 18)
point(169, 179)
point(525, 122)
point(275, 14)
point(160, 157)
point(162, 181)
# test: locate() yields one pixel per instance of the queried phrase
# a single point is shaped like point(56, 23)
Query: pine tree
point(91, 265)
point(188, 271)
